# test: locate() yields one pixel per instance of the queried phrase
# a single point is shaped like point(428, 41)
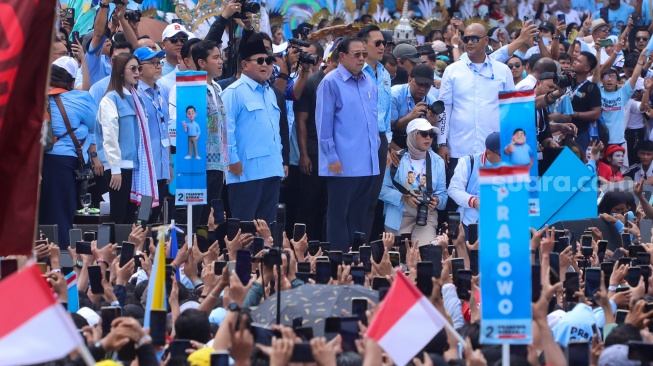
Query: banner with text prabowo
point(519, 137)
point(504, 256)
point(191, 138)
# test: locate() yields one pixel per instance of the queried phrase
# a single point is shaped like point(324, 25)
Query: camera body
point(247, 7)
point(565, 79)
point(304, 57)
point(423, 209)
point(133, 15)
point(436, 107)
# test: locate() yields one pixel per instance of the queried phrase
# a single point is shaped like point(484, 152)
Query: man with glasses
point(407, 58)
point(157, 119)
point(598, 30)
point(174, 36)
point(375, 47)
point(254, 145)
point(469, 90)
point(348, 133)
point(641, 39)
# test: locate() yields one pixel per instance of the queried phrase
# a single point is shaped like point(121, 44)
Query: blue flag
point(73, 295)
point(174, 248)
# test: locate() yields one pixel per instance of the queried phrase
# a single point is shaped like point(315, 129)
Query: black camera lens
point(565, 79)
point(307, 58)
point(247, 7)
point(422, 213)
point(436, 107)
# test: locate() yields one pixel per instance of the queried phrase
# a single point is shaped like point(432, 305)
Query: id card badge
point(165, 142)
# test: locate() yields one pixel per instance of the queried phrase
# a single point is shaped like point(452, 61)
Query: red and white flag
point(34, 327)
point(405, 322)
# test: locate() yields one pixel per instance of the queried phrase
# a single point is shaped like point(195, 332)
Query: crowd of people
point(376, 138)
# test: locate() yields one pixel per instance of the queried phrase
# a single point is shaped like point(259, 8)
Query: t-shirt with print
point(584, 99)
point(613, 106)
point(416, 177)
point(617, 19)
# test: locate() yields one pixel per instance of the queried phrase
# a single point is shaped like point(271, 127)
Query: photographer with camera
point(416, 187)
point(411, 101)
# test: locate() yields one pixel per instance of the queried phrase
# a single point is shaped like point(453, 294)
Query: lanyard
point(473, 68)
point(577, 89)
point(156, 105)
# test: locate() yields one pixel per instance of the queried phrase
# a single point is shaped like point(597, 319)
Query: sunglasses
point(426, 134)
point(260, 60)
point(641, 39)
point(474, 39)
point(177, 39)
point(359, 54)
point(135, 68)
point(604, 29)
point(515, 65)
point(379, 42)
point(153, 63)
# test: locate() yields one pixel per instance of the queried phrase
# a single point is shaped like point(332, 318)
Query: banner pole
point(189, 221)
point(505, 354)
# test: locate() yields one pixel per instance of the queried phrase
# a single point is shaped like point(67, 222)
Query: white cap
point(69, 64)
point(280, 48)
point(419, 124)
point(91, 316)
point(188, 305)
point(175, 28)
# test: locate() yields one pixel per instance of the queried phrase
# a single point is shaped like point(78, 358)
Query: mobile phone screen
point(299, 232)
point(571, 285)
point(452, 224)
point(561, 244)
point(379, 283)
point(127, 252)
point(472, 233)
point(202, 235)
point(349, 333)
point(634, 273)
point(561, 18)
point(89, 236)
point(433, 254)
point(95, 277)
point(247, 227)
point(83, 247)
point(108, 314)
point(464, 284)
point(473, 261)
point(394, 259)
point(303, 267)
point(325, 246)
point(359, 240)
point(625, 240)
point(457, 264)
point(74, 235)
point(643, 259)
point(586, 241)
point(335, 259)
point(218, 266)
point(578, 353)
point(7, 267)
point(377, 250)
point(536, 282)
point(158, 320)
point(218, 211)
point(220, 358)
point(103, 236)
point(313, 247)
point(554, 262)
point(592, 282)
point(233, 225)
point(424, 275)
point(358, 275)
point(244, 266)
point(322, 272)
point(607, 268)
point(358, 309)
point(620, 317)
point(179, 347)
point(144, 211)
point(365, 253)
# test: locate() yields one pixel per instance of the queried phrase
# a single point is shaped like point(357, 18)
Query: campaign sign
point(519, 137)
point(191, 138)
point(505, 256)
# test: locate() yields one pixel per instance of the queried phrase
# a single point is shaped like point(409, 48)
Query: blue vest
point(128, 130)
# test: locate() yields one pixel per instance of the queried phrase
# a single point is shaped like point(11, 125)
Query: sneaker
point(198, 158)
point(187, 157)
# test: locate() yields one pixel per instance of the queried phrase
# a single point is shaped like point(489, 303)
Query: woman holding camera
point(72, 113)
point(414, 191)
point(123, 141)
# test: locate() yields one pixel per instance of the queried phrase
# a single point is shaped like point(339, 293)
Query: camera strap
point(402, 189)
point(64, 115)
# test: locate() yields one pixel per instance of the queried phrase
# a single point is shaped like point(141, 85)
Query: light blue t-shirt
point(613, 105)
point(617, 19)
point(193, 129)
point(522, 154)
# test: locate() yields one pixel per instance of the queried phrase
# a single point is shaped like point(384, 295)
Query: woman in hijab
point(402, 192)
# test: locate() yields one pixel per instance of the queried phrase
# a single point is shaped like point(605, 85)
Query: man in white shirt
point(541, 66)
point(470, 89)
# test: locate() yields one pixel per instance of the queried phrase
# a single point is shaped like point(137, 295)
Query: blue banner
point(519, 137)
point(191, 138)
point(504, 256)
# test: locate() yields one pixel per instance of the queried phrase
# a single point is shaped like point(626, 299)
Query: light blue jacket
point(394, 206)
point(117, 120)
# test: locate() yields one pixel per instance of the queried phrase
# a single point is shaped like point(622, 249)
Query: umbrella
point(152, 27)
point(313, 303)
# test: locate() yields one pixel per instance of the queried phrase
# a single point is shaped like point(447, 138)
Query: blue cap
point(493, 142)
point(145, 53)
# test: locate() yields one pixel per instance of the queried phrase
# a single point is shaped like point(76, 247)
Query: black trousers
point(58, 195)
point(257, 199)
point(633, 136)
point(376, 186)
point(214, 183)
point(312, 201)
point(349, 199)
point(123, 211)
point(162, 186)
point(289, 195)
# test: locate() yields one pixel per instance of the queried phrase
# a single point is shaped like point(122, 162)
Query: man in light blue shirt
point(348, 138)
point(617, 16)
point(253, 139)
point(375, 47)
point(614, 99)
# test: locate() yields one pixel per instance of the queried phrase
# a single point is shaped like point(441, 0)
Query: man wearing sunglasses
point(255, 163)
point(598, 30)
point(348, 133)
point(407, 57)
point(641, 39)
point(174, 36)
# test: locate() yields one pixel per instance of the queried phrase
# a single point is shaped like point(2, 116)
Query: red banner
point(25, 36)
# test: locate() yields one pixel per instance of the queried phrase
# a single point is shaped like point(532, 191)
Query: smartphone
point(179, 347)
point(633, 276)
point(302, 353)
point(572, 285)
point(263, 334)
point(202, 236)
point(424, 277)
point(144, 211)
point(347, 259)
point(325, 246)
point(633, 250)
point(349, 332)
point(561, 244)
point(218, 266)
point(244, 265)
point(89, 236)
point(472, 233)
point(218, 211)
point(394, 259)
point(605, 43)
point(592, 282)
point(127, 252)
point(457, 15)
point(220, 358)
point(377, 250)
point(640, 351)
point(303, 267)
point(43, 267)
point(305, 333)
point(464, 284)
point(108, 314)
point(95, 277)
point(247, 227)
point(322, 272)
point(607, 268)
point(83, 247)
point(452, 224)
point(358, 275)
point(7, 267)
point(158, 319)
point(335, 259)
point(74, 235)
point(299, 232)
point(457, 264)
point(643, 259)
point(578, 353)
point(625, 240)
point(620, 316)
point(561, 18)
point(433, 254)
point(112, 231)
point(379, 283)
point(554, 265)
point(359, 308)
point(233, 225)
point(103, 236)
point(359, 240)
point(473, 261)
point(625, 261)
point(536, 282)
point(365, 253)
point(69, 15)
point(313, 247)
point(586, 241)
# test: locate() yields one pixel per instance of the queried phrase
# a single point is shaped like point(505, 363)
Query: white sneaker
point(198, 158)
point(187, 157)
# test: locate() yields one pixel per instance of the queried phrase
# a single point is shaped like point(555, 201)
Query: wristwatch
point(79, 263)
point(233, 307)
point(93, 154)
point(440, 145)
point(455, 46)
point(104, 6)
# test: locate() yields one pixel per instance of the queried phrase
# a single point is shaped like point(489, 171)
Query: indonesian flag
point(405, 322)
point(34, 327)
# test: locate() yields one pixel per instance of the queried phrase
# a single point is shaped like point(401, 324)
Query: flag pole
point(505, 354)
point(455, 333)
point(85, 354)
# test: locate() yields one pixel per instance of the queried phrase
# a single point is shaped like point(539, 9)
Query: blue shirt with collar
point(167, 67)
point(157, 120)
point(382, 77)
point(99, 65)
point(347, 124)
point(403, 102)
point(253, 136)
point(81, 111)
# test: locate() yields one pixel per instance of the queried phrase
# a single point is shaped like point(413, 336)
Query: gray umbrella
point(313, 303)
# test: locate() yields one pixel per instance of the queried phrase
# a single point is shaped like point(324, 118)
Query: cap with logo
point(173, 29)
